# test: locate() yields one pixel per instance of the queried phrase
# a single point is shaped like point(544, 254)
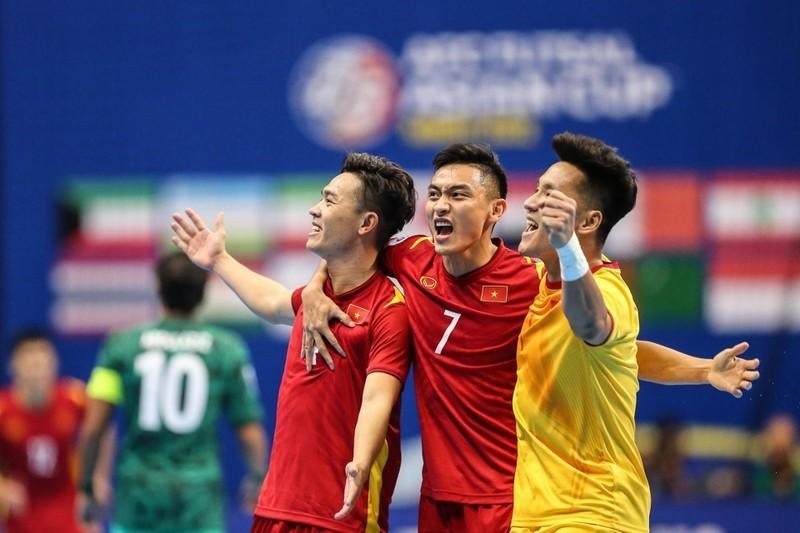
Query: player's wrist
point(572, 260)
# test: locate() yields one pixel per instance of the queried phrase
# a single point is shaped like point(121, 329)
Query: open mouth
point(442, 228)
point(531, 227)
point(315, 228)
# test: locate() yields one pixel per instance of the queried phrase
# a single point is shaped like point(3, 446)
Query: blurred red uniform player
point(39, 418)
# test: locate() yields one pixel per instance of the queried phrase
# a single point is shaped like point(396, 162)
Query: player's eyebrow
point(327, 193)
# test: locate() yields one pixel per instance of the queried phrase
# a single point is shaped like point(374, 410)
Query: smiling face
point(337, 217)
point(566, 178)
point(459, 209)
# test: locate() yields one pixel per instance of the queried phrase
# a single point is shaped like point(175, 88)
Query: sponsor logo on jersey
point(494, 293)
point(427, 282)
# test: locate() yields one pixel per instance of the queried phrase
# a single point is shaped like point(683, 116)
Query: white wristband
point(573, 263)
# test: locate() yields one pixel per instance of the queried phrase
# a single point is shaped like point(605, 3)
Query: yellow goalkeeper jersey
point(574, 404)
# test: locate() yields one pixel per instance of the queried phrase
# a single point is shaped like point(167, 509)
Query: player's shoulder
point(126, 337)
point(418, 244)
point(224, 339)
point(73, 390)
point(5, 400)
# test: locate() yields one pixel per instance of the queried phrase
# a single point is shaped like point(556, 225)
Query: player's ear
point(589, 222)
point(369, 222)
point(497, 208)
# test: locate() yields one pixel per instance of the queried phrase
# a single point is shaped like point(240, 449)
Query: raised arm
point(726, 371)
point(318, 311)
point(380, 394)
point(264, 296)
point(581, 297)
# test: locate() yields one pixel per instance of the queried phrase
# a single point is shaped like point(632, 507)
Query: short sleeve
point(390, 340)
point(297, 299)
point(620, 306)
point(242, 403)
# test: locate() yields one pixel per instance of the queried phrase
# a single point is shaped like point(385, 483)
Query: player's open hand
point(355, 477)
point(730, 373)
point(89, 513)
point(203, 246)
point(558, 216)
point(13, 498)
point(318, 312)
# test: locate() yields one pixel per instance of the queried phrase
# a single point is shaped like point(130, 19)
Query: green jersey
point(173, 380)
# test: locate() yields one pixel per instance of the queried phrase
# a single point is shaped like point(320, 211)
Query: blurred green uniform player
point(173, 380)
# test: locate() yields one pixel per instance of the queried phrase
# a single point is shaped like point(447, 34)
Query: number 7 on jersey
point(447, 332)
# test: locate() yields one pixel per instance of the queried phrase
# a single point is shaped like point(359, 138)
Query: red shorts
point(451, 517)
point(268, 525)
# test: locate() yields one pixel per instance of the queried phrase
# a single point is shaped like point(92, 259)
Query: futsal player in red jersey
point(39, 419)
point(467, 296)
point(350, 417)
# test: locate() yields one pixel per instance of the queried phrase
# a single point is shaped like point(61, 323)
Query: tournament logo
point(343, 92)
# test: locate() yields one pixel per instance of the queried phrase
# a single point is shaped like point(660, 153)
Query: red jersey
point(317, 414)
point(37, 451)
point(465, 333)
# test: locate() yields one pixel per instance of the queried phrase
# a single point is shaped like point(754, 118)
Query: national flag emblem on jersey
point(357, 313)
point(494, 293)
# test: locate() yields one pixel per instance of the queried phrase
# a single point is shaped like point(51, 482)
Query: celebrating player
point(467, 296)
point(173, 379)
point(349, 417)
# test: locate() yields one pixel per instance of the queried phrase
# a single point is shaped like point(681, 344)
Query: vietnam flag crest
point(357, 313)
point(494, 293)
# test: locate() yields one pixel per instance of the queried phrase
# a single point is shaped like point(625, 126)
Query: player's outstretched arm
point(583, 302)
point(318, 312)
point(380, 394)
point(726, 371)
point(206, 248)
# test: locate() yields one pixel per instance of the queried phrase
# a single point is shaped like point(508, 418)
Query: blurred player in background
point(348, 419)
point(39, 420)
point(467, 296)
point(174, 379)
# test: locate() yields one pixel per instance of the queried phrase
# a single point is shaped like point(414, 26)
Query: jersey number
point(454, 316)
point(174, 391)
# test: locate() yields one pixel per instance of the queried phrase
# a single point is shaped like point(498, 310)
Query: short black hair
point(387, 189)
point(610, 181)
point(181, 284)
point(475, 155)
point(29, 334)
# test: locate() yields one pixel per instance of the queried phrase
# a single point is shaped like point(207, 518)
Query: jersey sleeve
point(390, 340)
point(105, 382)
point(620, 306)
point(241, 400)
point(297, 299)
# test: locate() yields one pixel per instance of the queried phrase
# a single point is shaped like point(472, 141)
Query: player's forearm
point(265, 297)
point(660, 364)
point(253, 441)
point(88, 452)
point(586, 310)
point(380, 394)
